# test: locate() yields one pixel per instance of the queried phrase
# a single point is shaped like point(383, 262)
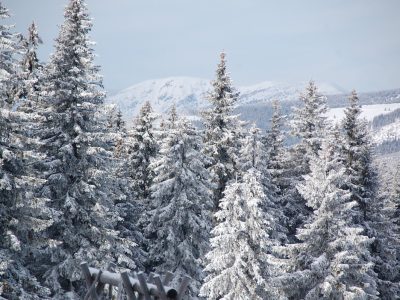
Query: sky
point(351, 44)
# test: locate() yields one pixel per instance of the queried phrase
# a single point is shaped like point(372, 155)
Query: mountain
point(189, 94)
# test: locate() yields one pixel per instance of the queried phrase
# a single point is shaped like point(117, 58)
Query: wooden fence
point(131, 288)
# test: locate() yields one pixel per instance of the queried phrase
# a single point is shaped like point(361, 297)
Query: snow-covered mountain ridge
point(189, 94)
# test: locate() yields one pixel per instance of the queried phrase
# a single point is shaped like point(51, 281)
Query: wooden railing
point(131, 288)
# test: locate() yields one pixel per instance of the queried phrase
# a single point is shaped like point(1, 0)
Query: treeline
point(234, 208)
point(385, 119)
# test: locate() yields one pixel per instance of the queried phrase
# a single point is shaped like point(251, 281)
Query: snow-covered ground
point(368, 111)
point(387, 133)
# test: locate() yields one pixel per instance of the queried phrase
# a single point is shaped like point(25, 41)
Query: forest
point(239, 210)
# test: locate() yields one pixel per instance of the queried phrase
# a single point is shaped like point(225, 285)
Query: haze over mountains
point(255, 103)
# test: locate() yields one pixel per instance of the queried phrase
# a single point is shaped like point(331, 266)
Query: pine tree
point(31, 68)
point(181, 202)
point(357, 154)
point(23, 216)
point(8, 60)
point(79, 182)
point(274, 144)
point(332, 261)
point(240, 264)
point(254, 156)
point(222, 130)
point(308, 125)
point(374, 211)
point(142, 151)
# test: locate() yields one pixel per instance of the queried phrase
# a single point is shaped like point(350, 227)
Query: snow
point(189, 94)
point(369, 112)
point(387, 133)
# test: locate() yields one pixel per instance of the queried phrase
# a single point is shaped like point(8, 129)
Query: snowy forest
point(242, 212)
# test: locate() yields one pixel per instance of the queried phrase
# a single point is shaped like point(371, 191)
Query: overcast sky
point(352, 44)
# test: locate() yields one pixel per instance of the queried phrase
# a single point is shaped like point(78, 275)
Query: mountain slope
point(189, 94)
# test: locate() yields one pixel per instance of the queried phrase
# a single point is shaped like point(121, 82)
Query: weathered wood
point(167, 278)
point(183, 287)
point(128, 286)
point(157, 280)
point(120, 291)
point(143, 284)
point(87, 274)
point(136, 288)
point(92, 290)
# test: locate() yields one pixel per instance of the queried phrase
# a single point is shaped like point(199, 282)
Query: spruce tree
point(223, 130)
point(79, 181)
point(9, 53)
point(332, 261)
point(254, 156)
point(23, 216)
point(142, 150)
point(308, 125)
point(179, 222)
point(31, 68)
point(276, 161)
point(373, 209)
point(240, 264)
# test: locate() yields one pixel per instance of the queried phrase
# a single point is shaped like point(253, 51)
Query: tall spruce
point(23, 216)
point(373, 213)
point(308, 125)
point(240, 264)
point(222, 130)
point(332, 261)
point(143, 150)
point(78, 180)
point(9, 53)
point(31, 68)
point(254, 156)
point(181, 201)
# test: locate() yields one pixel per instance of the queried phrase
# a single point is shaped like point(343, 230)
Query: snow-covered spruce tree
point(8, 59)
point(142, 150)
point(179, 222)
point(31, 69)
point(240, 265)
point(307, 125)
point(357, 155)
point(373, 212)
point(21, 213)
point(222, 130)
point(115, 121)
point(385, 229)
point(332, 261)
point(253, 155)
point(76, 169)
point(276, 161)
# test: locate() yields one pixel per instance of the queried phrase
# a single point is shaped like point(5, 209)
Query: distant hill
point(255, 103)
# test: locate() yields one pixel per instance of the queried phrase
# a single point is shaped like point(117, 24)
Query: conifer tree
point(23, 216)
point(373, 210)
point(276, 161)
point(254, 156)
point(142, 151)
point(332, 261)
point(79, 182)
point(240, 264)
point(8, 60)
point(31, 68)
point(181, 202)
point(357, 152)
point(308, 125)
point(223, 130)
